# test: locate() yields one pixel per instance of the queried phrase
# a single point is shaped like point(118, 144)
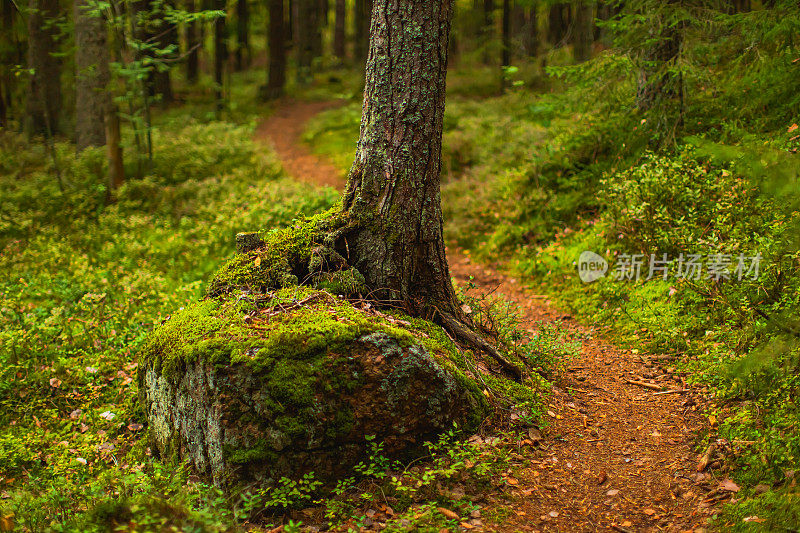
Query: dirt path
point(616, 456)
point(284, 130)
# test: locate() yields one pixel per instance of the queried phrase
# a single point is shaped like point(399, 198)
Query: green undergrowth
point(83, 284)
point(536, 178)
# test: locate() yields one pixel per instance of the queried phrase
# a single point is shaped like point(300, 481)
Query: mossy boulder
point(252, 386)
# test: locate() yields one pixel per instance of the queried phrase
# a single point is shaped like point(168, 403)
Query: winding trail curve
point(617, 456)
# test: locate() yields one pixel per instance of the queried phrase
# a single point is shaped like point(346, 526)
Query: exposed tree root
point(465, 334)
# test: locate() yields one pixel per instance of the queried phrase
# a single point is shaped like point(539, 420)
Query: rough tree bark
point(277, 51)
point(44, 94)
point(584, 31)
point(339, 29)
point(91, 76)
point(392, 198)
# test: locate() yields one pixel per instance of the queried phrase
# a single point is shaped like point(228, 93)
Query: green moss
point(260, 451)
point(289, 256)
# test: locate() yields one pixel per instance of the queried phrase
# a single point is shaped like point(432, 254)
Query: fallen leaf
point(612, 492)
point(108, 415)
point(753, 519)
point(627, 523)
point(76, 414)
point(729, 485)
point(649, 512)
point(553, 514)
point(91, 370)
point(602, 478)
point(134, 427)
point(257, 262)
point(81, 460)
point(55, 383)
point(466, 525)
point(448, 513)
point(792, 128)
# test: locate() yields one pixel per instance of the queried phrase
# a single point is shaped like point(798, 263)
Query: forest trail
point(616, 455)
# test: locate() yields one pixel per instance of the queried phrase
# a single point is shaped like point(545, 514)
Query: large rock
point(253, 387)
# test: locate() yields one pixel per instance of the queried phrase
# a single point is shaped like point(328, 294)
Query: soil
point(615, 455)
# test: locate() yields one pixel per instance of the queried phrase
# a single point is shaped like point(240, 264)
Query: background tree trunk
point(584, 31)
point(242, 34)
point(304, 17)
point(393, 186)
point(487, 31)
point(6, 45)
point(277, 51)
point(558, 24)
point(363, 11)
point(531, 36)
point(44, 95)
point(91, 76)
point(220, 53)
point(656, 82)
point(339, 26)
point(193, 43)
point(505, 56)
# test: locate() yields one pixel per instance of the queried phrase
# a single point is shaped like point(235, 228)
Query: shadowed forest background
point(135, 145)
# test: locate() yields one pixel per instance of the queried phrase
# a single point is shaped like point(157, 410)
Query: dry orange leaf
point(448, 513)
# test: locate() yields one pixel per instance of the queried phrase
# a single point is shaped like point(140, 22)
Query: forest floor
point(618, 452)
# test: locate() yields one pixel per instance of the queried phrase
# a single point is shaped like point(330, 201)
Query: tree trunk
point(488, 30)
point(150, 28)
point(656, 83)
point(6, 61)
point(220, 53)
point(116, 168)
point(584, 31)
point(505, 56)
point(558, 24)
point(193, 44)
point(531, 36)
point(339, 29)
point(91, 76)
point(304, 27)
point(392, 198)
point(277, 51)
point(242, 35)
point(363, 10)
point(44, 95)
point(393, 186)
point(315, 28)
